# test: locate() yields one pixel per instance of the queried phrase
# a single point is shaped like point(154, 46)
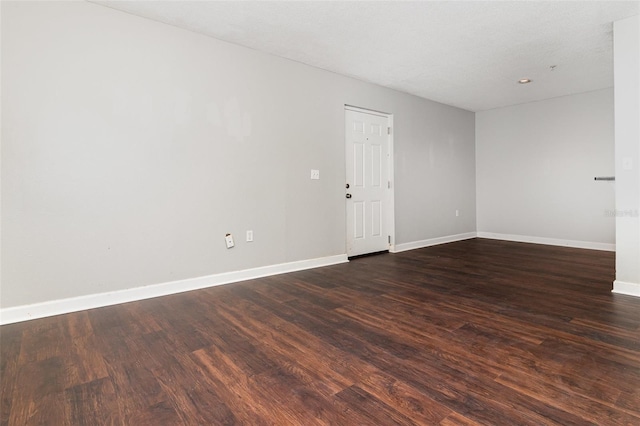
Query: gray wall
point(535, 165)
point(130, 147)
point(627, 105)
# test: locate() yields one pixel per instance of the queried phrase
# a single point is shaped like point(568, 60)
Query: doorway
point(369, 186)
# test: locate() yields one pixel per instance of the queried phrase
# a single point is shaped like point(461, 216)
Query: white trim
point(367, 111)
point(432, 242)
point(391, 216)
point(90, 301)
point(548, 241)
point(630, 289)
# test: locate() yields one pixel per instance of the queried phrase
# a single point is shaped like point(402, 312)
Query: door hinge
point(389, 239)
point(388, 130)
point(388, 184)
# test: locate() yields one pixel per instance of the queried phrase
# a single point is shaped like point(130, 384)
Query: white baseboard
point(549, 241)
point(630, 289)
point(431, 242)
point(81, 303)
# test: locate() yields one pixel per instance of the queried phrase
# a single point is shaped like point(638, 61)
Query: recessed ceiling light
point(525, 80)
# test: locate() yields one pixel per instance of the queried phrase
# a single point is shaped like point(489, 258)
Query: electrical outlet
point(457, 213)
point(315, 174)
point(249, 236)
point(229, 240)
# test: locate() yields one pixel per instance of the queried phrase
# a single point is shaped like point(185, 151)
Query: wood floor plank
point(477, 332)
point(10, 344)
point(39, 392)
point(134, 379)
point(46, 339)
point(372, 409)
point(190, 394)
point(587, 408)
point(291, 355)
point(387, 354)
point(335, 370)
point(236, 385)
point(629, 400)
point(455, 419)
point(161, 413)
point(93, 403)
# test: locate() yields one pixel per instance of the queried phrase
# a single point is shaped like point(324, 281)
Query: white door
point(368, 154)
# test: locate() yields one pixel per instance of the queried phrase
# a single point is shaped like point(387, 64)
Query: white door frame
point(390, 217)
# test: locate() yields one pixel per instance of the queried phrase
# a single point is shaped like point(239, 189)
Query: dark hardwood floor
point(474, 332)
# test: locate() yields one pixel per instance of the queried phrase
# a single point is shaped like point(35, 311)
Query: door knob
point(347, 186)
point(348, 195)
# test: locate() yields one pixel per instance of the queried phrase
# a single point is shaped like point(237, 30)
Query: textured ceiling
point(468, 54)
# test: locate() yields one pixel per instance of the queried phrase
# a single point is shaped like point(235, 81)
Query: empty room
point(320, 213)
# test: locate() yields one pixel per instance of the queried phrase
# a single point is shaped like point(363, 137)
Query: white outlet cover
point(315, 174)
point(229, 240)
